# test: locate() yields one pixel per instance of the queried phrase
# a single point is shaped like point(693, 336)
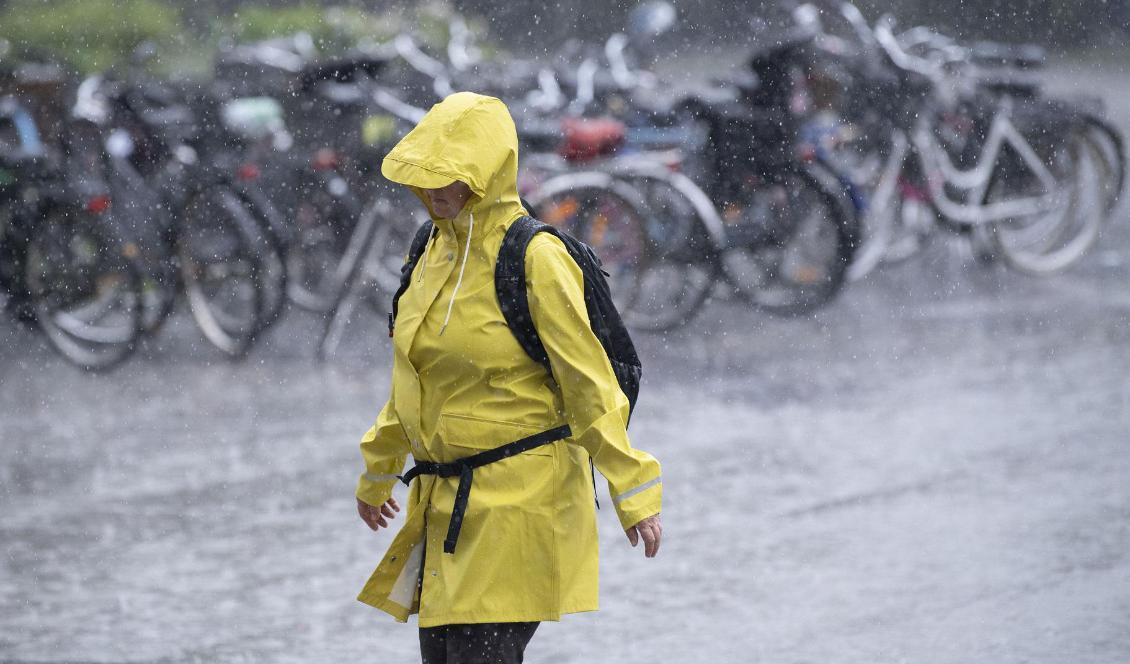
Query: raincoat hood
point(467, 137)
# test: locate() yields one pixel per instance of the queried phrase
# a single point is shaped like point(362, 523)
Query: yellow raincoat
point(528, 546)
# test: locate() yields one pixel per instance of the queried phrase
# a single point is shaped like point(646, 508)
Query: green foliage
point(88, 34)
point(93, 35)
point(251, 23)
point(430, 23)
point(332, 28)
point(357, 25)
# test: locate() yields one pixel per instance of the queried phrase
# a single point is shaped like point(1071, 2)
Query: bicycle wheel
point(1069, 225)
point(793, 240)
point(608, 215)
point(270, 237)
point(394, 234)
point(83, 289)
point(1112, 167)
point(221, 271)
point(323, 222)
point(675, 283)
point(370, 257)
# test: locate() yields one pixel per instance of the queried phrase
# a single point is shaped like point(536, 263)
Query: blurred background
point(92, 34)
point(875, 269)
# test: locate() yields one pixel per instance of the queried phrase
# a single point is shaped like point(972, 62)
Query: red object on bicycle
point(98, 204)
point(590, 138)
point(325, 159)
point(248, 172)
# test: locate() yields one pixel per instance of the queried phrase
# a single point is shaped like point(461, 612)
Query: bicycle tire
point(323, 223)
point(271, 248)
point(221, 270)
point(1108, 140)
point(83, 288)
point(1048, 243)
point(609, 215)
point(383, 262)
point(676, 283)
point(755, 269)
point(349, 275)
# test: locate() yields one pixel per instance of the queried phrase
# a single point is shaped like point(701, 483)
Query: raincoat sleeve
point(385, 449)
point(595, 406)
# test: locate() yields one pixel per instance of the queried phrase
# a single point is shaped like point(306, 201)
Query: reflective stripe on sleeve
point(643, 487)
point(381, 478)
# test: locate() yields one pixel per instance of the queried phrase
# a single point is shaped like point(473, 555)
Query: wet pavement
point(934, 469)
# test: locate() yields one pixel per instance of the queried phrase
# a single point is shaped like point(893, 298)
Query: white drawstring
point(459, 281)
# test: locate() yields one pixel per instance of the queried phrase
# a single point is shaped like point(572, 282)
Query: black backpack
point(510, 287)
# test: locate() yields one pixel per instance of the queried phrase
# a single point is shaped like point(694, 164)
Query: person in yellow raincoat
point(461, 384)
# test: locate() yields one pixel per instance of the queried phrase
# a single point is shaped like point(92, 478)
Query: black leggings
point(481, 643)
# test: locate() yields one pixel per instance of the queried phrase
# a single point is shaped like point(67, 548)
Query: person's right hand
point(374, 517)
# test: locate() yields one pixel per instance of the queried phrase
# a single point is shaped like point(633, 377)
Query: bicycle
point(194, 230)
point(652, 224)
point(62, 265)
point(940, 145)
point(1012, 175)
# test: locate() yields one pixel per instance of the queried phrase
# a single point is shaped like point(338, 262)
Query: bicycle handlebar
point(885, 37)
point(397, 106)
point(461, 52)
point(422, 62)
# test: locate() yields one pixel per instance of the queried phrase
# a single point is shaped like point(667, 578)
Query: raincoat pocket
point(475, 434)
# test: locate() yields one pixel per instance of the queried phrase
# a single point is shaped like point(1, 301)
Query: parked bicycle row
point(840, 147)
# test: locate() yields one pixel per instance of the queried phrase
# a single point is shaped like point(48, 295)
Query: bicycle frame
point(940, 171)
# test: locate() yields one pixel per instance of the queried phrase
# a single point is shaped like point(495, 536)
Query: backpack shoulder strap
point(510, 286)
point(604, 319)
point(415, 250)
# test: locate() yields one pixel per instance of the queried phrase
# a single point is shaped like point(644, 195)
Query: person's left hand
point(651, 530)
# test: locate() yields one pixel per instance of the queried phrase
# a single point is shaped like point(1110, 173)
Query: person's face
point(448, 201)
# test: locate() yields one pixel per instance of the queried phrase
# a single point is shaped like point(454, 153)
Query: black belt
point(463, 468)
